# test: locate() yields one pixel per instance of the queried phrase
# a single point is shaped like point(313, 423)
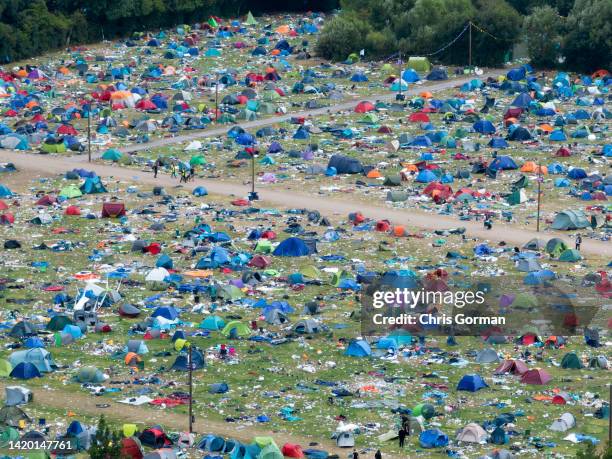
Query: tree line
point(32, 27)
point(572, 34)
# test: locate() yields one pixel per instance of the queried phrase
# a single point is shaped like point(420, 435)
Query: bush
point(342, 36)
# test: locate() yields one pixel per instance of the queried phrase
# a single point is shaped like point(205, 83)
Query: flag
point(362, 53)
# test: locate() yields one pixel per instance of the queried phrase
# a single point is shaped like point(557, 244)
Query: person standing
point(378, 455)
point(402, 436)
point(578, 241)
point(155, 169)
point(173, 171)
point(355, 454)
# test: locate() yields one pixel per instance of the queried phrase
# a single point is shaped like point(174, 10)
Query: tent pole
point(190, 390)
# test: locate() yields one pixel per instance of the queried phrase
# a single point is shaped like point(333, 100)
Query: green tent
point(524, 301)
point(387, 69)
point(197, 160)
point(570, 255)
point(555, 247)
point(89, 375)
point(236, 328)
point(263, 246)
point(226, 119)
point(262, 442)
point(397, 196)
point(112, 155)
point(518, 196)
point(339, 276)
point(229, 293)
point(392, 180)
point(568, 220)
point(369, 118)
point(312, 272)
point(7, 434)
point(5, 368)
point(250, 20)
point(571, 361)
point(212, 22)
point(53, 147)
point(270, 451)
point(70, 191)
point(418, 63)
point(58, 322)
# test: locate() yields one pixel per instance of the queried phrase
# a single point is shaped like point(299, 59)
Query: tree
point(107, 442)
point(343, 35)
point(544, 30)
point(588, 43)
point(502, 21)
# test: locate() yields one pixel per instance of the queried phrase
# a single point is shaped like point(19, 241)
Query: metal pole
point(89, 132)
point(399, 65)
point(190, 390)
point(253, 174)
point(610, 417)
point(539, 196)
point(217, 98)
point(470, 51)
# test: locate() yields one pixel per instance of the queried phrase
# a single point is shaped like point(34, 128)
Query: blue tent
point(199, 191)
point(557, 135)
point(577, 173)
point(345, 164)
point(437, 74)
point(292, 247)
point(164, 261)
point(301, 133)
point(33, 342)
point(471, 383)
point(484, 127)
point(167, 312)
point(5, 192)
point(25, 370)
point(522, 100)
point(498, 142)
point(433, 438)
point(359, 77)
point(516, 74)
point(73, 330)
point(426, 176)
point(218, 388)
point(410, 76)
point(213, 323)
point(421, 141)
point(503, 163)
point(358, 348)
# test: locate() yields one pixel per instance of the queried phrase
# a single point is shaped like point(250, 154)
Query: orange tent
point(284, 29)
point(545, 128)
point(132, 359)
point(22, 73)
point(426, 94)
point(275, 52)
point(374, 173)
point(399, 231)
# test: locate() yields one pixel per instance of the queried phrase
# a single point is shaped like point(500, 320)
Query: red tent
point(3, 205)
point(538, 377)
point(46, 200)
point(153, 248)
point(516, 367)
point(384, 130)
point(364, 106)
point(7, 219)
point(113, 210)
point(418, 117)
point(383, 225)
point(259, 261)
point(67, 129)
point(563, 152)
point(146, 104)
point(131, 447)
point(268, 234)
point(72, 210)
point(292, 450)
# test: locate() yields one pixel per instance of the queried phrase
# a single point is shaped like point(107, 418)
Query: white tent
point(157, 275)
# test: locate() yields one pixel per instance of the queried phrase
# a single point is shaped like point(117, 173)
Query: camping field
point(114, 272)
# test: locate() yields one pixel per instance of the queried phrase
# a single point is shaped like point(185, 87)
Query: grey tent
point(314, 169)
point(11, 415)
point(397, 196)
point(137, 345)
point(17, 395)
point(487, 356)
point(535, 244)
point(22, 329)
point(472, 433)
point(599, 362)
point(528, 265)
point(90, 375)
point(275, 317)
point(345, 164)
point(307, 326)
point(345, 440)
point(568, 220)
point(564, 423)
point(392, 180)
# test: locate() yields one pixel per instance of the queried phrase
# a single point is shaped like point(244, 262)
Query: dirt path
point(411, 218)
point(146, 416)
point(347, 105)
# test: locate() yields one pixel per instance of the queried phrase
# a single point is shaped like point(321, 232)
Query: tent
point(345, 440)
point(571, 361)
point(345, 164)
point(358, 348)
point(471, 383)
point(472, 433)
point(536, 377)
point(90, 375)
point(25, 370)
point(437, 74)
point(17, 395)
point(568, 220)
point(38, 357)
point(236, 329)
point(418, 63)
point(570, 255)
point(433, 438)
point(213, 323)
point(293, 247)
point(113, 210)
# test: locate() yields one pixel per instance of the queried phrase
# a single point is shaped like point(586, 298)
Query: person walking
point(355, 454)
point(155, 169)
point(378, 455)
point(578, 241)
point(173, 171)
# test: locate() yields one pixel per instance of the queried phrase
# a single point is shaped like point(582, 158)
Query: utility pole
point(609, 416)
point(539, 195)
point(253, 195)
point(190, 389)
point(89, 131)
point(399, 96)
point(217, 97)
point(470, 46)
